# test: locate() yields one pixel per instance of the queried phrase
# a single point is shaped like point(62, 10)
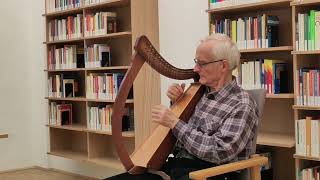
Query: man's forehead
point(205, 49)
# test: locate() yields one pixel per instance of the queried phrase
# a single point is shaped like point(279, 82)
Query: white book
point(302, 127)
point(317, 30)
point(315, 138)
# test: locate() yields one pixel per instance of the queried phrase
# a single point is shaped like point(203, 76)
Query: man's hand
point(175, 91)
point(164, 116)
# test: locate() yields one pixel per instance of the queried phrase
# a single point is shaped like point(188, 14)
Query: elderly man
point(221, 129)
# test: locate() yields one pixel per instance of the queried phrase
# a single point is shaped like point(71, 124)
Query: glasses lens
point(197, 62)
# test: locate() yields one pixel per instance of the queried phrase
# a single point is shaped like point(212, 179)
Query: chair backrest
point(259, 96)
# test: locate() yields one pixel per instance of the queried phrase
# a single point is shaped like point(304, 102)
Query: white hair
point(224, 49)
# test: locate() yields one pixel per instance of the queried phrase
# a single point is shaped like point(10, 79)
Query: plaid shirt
point(222, 126)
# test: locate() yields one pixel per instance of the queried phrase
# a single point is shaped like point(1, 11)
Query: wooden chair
point(250, 167)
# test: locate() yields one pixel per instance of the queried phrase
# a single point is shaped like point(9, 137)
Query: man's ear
point(225, 65)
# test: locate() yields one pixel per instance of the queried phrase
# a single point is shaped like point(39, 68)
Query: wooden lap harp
point(154, 151)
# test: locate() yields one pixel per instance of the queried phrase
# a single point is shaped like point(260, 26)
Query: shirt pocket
point(209, 124)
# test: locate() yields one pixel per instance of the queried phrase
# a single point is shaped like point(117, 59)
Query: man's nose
point(196, 68)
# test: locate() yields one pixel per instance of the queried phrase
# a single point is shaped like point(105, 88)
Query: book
point(273, 31)
point(280, 78)
point(64, 114)
point(68, 87)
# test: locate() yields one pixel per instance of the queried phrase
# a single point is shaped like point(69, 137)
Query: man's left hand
point(164, 116)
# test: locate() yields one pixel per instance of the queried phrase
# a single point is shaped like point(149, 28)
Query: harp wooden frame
point(145, 52)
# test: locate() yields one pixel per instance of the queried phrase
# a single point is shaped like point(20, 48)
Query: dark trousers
point(177, 169)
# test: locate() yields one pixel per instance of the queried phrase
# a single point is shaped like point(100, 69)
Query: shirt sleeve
point(224, 144)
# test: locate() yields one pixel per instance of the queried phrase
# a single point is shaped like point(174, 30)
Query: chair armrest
point(225, 168)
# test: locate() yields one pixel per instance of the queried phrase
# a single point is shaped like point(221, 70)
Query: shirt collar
point(223, 92)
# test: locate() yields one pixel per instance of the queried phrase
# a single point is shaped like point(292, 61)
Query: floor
point(40, 174)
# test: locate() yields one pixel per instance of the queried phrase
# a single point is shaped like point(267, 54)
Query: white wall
point(22, 79)
point(16, 84)
point(182, 24)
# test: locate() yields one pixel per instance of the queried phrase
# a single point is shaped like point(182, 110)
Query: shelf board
point(64, 12)
point(306, 107)
point(90, 69)
point(109, 162)
point(81, 99)
point(108, 3)
point(276, 139)
point(74, 155)
point(271, 49)
point(3, 135)
point(83, 157)
point(65, 70)
point(280, 96)
point(74, 127)
point(64, 41)
point(111, 35)
point(252, 6)
point(128, 101)
point(296, 156)
point(305, 2)
point(306, 52)
point(82, 128)
point(124, 134)
point(108, 68)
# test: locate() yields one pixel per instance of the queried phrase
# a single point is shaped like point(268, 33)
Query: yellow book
point(234, 31)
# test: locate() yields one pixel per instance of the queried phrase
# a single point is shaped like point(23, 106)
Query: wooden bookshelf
point(74, 127)
point(271, 49)
point(304, 2)
point(82, 157)
point(276, 129)
point(276, 139)
point(90, 69)
point(109, 68)
point(78, 156)
point(129, 101)
point(108, 4)
point(77, 141)
point(65, 70)
point(79, 99)
point(280, 96)
point(124, 133)
point(252, 6)
point(311, 108)
point(306, 157)
point(64, 12)
point(306, 52)
point(82, 99)
point(112, 35)
point(75, 40)
point(83, 128)
point(303, 59)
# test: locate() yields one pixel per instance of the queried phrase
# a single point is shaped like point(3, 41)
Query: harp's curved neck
point(145, 49)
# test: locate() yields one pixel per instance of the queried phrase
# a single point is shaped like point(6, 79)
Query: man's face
point(209, 69)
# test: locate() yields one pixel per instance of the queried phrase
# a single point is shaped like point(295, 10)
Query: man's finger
point(183, 85)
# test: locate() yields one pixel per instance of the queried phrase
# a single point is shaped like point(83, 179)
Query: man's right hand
point(175, 91)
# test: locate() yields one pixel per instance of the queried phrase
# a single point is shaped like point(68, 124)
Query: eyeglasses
point(201, 65)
